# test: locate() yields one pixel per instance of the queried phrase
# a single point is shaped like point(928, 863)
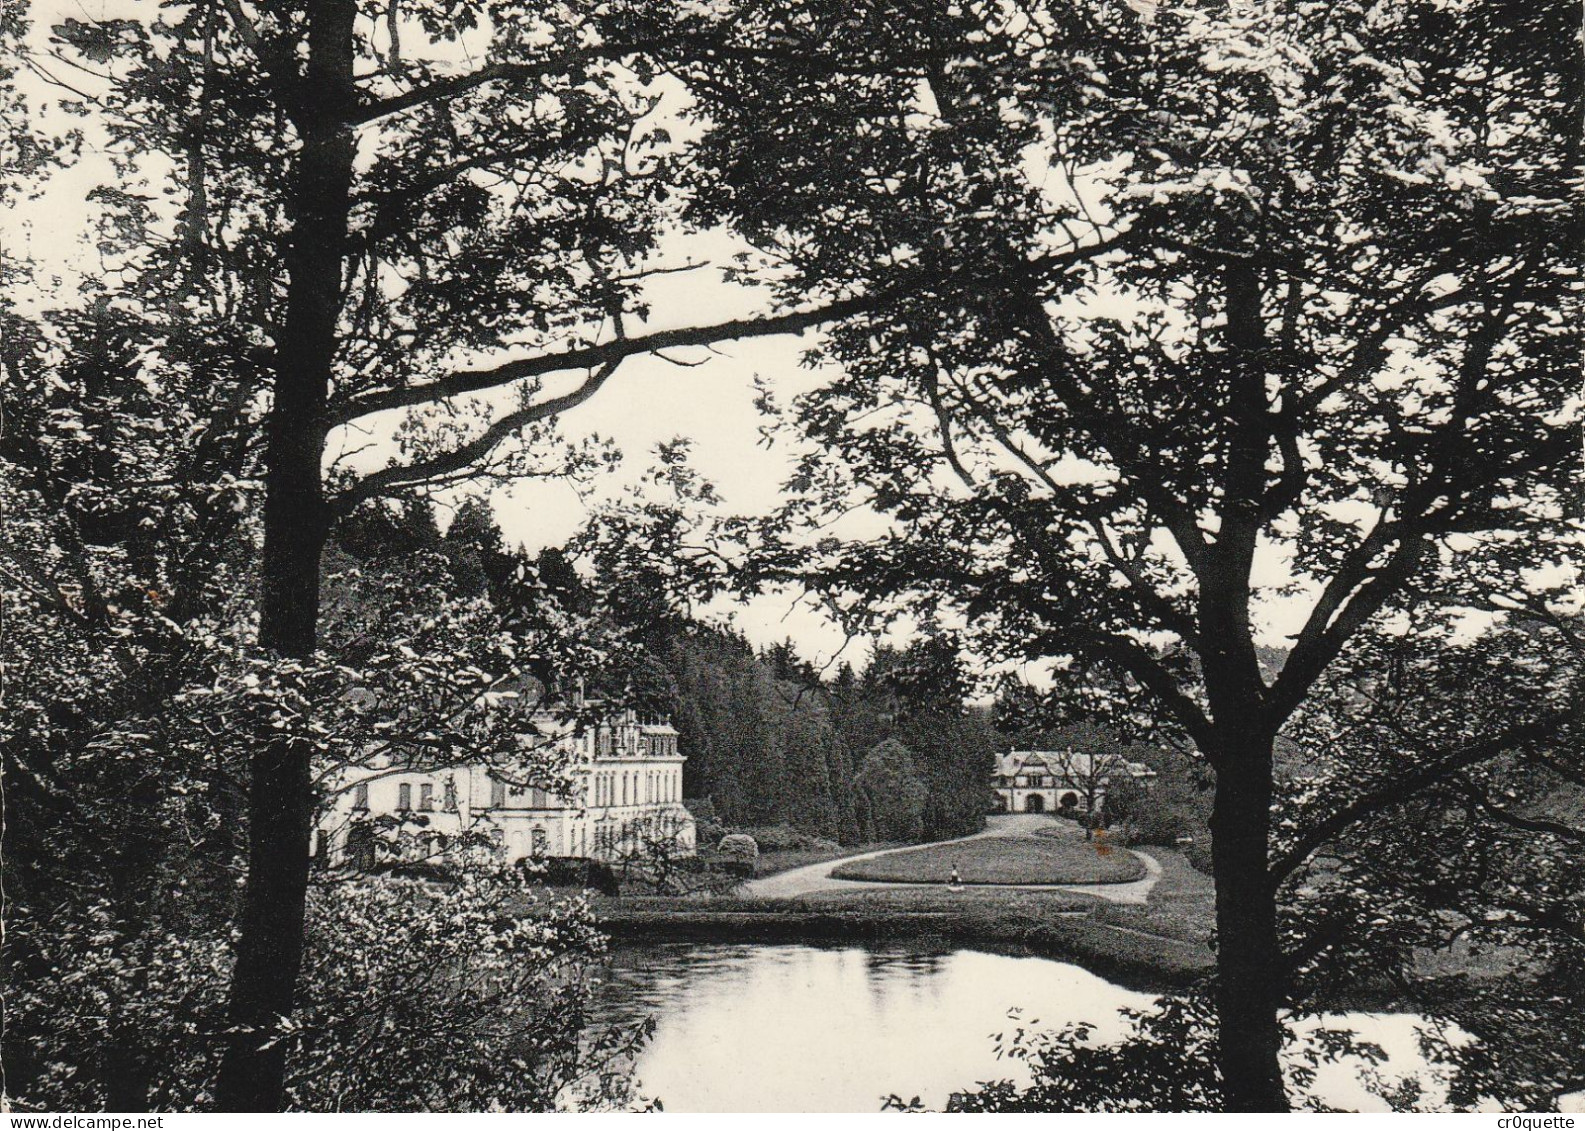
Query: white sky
point(650, 400)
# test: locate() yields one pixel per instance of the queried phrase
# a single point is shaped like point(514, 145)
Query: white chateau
point(1046, 781)
point(627, 789)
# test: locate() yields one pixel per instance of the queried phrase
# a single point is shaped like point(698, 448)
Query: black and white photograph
point(792, 556)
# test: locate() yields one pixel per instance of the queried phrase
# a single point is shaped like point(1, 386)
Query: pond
point(799, 1028)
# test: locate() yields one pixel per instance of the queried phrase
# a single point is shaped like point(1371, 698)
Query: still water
point(795, 1028)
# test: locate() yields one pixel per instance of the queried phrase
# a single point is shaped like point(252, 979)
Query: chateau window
point(360, 795)
point(451, 795)
point(404, 797)
point(497, 793)
point(537, 798)
point(541, 842)
point(426, 798)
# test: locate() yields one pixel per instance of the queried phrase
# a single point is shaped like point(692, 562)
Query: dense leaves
point(422, 1000)
point(1243, 322)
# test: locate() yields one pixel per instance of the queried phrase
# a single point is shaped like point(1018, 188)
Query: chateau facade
point(626, 790)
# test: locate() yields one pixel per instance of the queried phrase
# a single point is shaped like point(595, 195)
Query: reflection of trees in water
point(648, 979)
point(912, 976)
point(884, 962)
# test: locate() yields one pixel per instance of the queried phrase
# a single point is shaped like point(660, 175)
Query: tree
point(417, 1000)
point(133, 698)
point(922, 692)
point(391, 226)
point(1268, 315)
point(1447, 761)
point(655, 847)
point(893, 790)
point(1451, 883)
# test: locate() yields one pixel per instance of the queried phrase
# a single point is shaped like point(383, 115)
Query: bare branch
point(595, 357)
point(466, 455)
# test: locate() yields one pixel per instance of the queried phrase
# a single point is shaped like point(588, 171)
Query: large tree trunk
point(269, 949)
point(1249, 975)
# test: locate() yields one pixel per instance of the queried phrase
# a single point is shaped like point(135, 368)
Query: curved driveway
point(817, 877)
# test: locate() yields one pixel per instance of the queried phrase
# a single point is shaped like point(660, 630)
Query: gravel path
point(817, 877)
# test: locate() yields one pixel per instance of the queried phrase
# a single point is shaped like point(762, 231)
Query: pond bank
point(1150, 934)
point(1045, 924)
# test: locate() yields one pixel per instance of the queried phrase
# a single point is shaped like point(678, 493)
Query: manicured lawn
point(770, 863)
point(1001, 860)
point(1182, 904)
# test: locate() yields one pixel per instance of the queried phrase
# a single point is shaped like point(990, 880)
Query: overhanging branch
point(467, 455)
point(1440, 768)
point(595, 357)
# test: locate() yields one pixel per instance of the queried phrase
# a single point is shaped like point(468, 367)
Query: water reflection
point(812, 1029)
point(795, 1028)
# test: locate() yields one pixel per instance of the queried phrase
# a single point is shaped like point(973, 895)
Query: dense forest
point(770, 742)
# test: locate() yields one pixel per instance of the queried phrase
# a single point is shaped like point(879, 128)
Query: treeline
point(893, 750)
point(894, 753)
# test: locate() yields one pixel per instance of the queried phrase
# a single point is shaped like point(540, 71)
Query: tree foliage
point(421, 1000)
point(893, 790)
point(1232, 311)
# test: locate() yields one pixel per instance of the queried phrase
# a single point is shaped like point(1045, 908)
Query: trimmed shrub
point(739, 847)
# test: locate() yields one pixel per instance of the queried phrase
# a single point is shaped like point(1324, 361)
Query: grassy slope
point(1182, 904)
point(1001, 860)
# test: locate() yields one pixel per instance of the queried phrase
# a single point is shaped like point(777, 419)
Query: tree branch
point(595, 357)
point(1143, 667)
point(466, 455)
point(698, 48)
point(1404, 788)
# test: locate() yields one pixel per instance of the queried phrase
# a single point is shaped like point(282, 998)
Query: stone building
point(626, 789)
point(1047, 781)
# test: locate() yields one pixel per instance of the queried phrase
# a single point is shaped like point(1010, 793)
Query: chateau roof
point(1067, 763)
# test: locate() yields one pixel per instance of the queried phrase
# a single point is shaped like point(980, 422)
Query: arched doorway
point(1035, 803)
